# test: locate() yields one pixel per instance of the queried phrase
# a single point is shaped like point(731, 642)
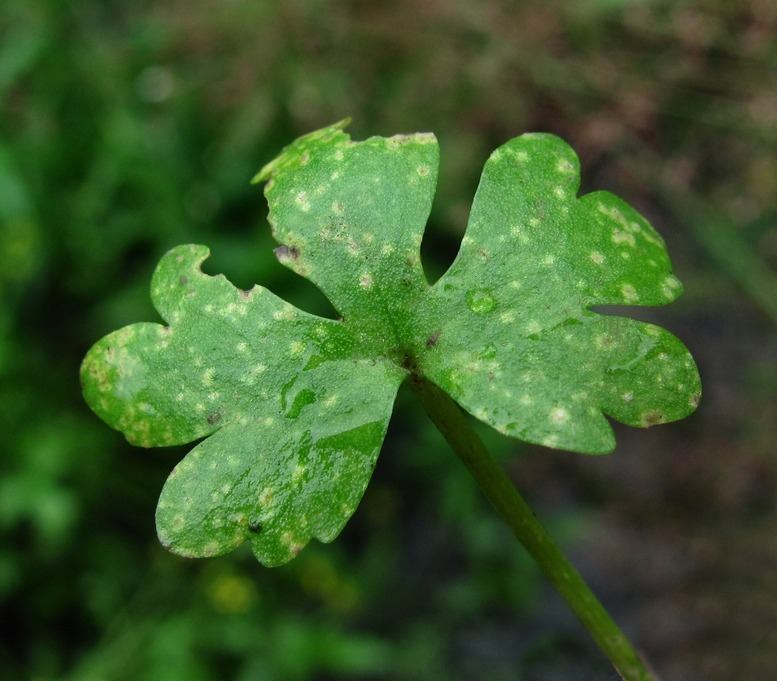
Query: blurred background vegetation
point(129, 127)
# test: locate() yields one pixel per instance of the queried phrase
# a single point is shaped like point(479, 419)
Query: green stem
point(453, 424)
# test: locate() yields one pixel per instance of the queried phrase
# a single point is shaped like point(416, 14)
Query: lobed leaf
point(294, 408)
point(516, 342)
point(350, 217)
point(295, 411)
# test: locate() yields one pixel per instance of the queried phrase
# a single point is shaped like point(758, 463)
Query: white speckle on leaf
point(330, 401)
point(559, 415)
point(670, 286)
point(338, 155)
point(214, 395)
point(628, 397)
point(473, 367)
point(242, 346)
point(564, 166)
point(597, 258)
point(337, 208)
point(266, 496)
point(560, 192)
point(387, 249)
point(353, 247)
point(210, 549)
point(629, 293)
point(365, 280)
point(521, 156)
point(620, 237)
point(301, 199)
point(207, 376)
point(507, 317)
point(296, 347)
point(286, 313)
point(549, 260)
point(146, 408)
point(481, 414)
point(422, 170)
point(199, 407)
point(533, 327)
point(299, 471)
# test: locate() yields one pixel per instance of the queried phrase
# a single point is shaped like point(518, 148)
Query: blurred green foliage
point(130, 127)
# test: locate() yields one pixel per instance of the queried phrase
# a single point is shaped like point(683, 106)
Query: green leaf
point(294, 408)
point(350, 218)
point(516, 342)
point(295, 411)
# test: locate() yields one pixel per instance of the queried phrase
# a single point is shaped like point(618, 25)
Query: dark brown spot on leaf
point(214, 418)
point(652, 418)
point(287, 253)
point(433, 339)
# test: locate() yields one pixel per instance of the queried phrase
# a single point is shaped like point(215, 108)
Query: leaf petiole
point(500, 491)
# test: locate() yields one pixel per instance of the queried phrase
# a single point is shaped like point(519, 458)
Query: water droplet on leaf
point(481, 300)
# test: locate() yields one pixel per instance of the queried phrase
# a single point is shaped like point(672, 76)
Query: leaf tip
point(298, 149)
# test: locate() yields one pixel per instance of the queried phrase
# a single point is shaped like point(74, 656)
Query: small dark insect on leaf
point(255, 527)
point(433, 339)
